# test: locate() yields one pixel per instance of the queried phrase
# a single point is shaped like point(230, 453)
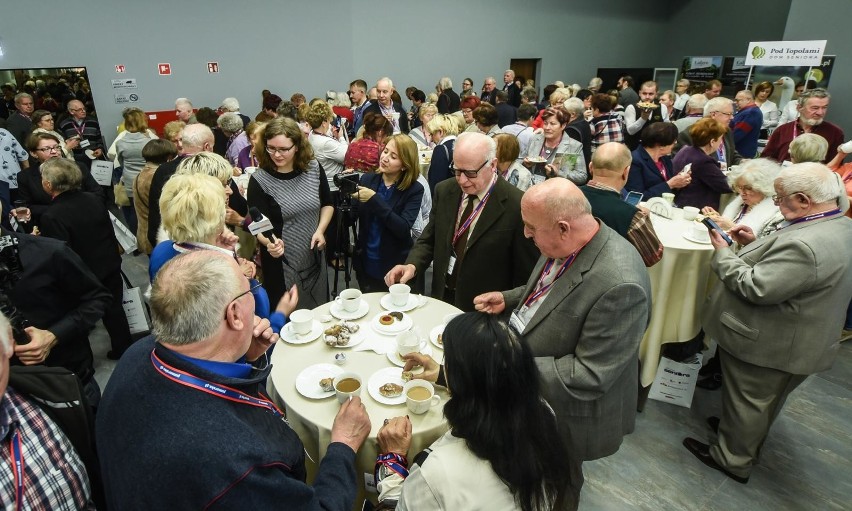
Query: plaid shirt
point(607, 128)
point(54, 476)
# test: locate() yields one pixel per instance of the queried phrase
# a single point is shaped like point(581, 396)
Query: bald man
point(610, 167)
point(384, 105)
point(86, 129)
point(583, 312)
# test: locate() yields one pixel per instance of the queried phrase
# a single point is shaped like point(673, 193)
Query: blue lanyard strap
point(16, 448)
point(394, 462)
point(214, 389)
point(814, 217)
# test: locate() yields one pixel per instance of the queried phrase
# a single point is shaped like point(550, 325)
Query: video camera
point(10, 273)
point(347, 182)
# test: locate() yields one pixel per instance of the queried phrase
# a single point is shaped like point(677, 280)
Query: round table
point(679, 285)
point(312, 419)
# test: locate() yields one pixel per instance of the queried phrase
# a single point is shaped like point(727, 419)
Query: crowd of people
point(516, 203)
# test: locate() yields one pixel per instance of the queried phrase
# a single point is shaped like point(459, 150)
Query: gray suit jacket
point(585, 337)
point(783, 298)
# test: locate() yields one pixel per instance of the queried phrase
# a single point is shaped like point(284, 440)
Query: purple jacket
point(708, 182)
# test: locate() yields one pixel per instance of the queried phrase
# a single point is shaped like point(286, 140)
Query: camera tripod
point(344, 246)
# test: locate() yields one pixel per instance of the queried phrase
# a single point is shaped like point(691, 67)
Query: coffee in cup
point(302, 321)
point(399, 294)
point(420, 396)
point(349, 299)
point(347, 385)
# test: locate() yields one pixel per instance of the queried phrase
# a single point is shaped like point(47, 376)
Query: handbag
point(121, 197)
point(134, 308)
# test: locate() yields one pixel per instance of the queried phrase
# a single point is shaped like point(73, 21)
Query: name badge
point(84, 143)
point(451, 265)
point(516, 322)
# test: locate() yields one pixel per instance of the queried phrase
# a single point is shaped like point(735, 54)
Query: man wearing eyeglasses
point(85, 129)
point(186, 423)
point(776, 313)
point(721, 109)
point(475, 236)
point(813, 106)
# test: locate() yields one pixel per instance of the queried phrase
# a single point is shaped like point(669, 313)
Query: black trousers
point(115, 321)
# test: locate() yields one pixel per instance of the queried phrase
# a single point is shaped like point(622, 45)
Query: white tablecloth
point(679, 285)
point(312, 419)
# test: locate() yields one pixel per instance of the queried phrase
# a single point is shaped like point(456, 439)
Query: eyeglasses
point(729, 114)
point(48, 149)
point(250, 290)
point(467, 173)
point(778, 198)
point(279, 150)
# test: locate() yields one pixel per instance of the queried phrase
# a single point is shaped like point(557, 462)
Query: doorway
point(528, 68)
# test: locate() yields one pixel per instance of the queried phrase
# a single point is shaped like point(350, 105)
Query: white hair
point(715, 105)
point(759, 174)
point(384, 79)
point(230, 105)
point(812, 179)
point(445, 83)
point(5, 338)
point(230, 122)
point(696, 102)
point(511, 72)
point(595, 82)
point(194, 136)
point(338, 98)
point(491, 153)
point(183, 102)
point(574, 106)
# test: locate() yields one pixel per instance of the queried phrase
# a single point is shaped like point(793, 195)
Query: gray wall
point(828, 19)
point(323, 44)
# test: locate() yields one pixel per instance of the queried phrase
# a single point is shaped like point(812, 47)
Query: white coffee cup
point(399, 294)
point(349, 299)
point(420, 406)
point(700, 232)
point(669, 197)
point(302, 321)
point(344, 395)
point(407, 342)
point(689, 213)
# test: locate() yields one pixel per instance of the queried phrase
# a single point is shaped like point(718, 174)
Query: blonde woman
point(442, 130)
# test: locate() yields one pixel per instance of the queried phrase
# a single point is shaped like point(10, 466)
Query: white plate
point(354, 340)
point(337, 311)
point(387, 303)
point(379, 378)
point(433, 335)
point(289, 336)
point(307, 382)
point(688, 235)
point(392, 329)
point(395, 359)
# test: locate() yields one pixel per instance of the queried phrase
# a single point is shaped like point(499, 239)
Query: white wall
point(317, 45)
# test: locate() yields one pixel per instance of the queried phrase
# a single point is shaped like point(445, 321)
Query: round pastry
point(397, 315)
point(407, 375)
point(387, 319)
point(390, 390)
point(327, 384)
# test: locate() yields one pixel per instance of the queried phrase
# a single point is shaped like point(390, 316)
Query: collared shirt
point(54, 475)
point(239, 369)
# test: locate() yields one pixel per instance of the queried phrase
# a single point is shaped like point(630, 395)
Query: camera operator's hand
point(318, 241)
point(400, 273)
point(37, 350)
point(363, 194)
point(275, 247)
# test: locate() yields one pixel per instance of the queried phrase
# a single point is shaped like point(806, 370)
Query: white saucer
point(338, 312)
point(395, 359)
point(392, 329)
point(433, 335)
point(379, 378)
point(354, 340)
point(387, 303)
point(290, 337)
point(688, 235)
point(307, 382)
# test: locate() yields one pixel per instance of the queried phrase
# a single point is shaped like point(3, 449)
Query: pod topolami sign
point(785, 53)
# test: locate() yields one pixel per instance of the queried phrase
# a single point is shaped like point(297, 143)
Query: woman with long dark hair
point(503, 450)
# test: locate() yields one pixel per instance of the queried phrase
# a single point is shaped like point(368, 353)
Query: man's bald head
point(197, 138)
point(610, 160)
point(559, 199)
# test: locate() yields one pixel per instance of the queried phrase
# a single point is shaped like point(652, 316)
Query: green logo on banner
point(758, 52)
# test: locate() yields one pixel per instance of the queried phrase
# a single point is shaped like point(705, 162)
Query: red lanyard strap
point(17, 449)
point(541, 289)
point(467, 223)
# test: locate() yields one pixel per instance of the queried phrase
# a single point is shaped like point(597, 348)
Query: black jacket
point(161, 175)
point(31, 191)
point(448, 102)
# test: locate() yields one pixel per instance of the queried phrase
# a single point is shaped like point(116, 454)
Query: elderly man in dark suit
point(475, 234)
point(81, 220)
point(583, 312)
point(776, 314)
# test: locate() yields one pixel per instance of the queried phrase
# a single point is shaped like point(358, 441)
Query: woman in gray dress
point(290, 188)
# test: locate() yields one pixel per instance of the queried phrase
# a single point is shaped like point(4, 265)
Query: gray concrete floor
point(805, 462)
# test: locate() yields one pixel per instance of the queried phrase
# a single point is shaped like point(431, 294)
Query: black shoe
point(702, 452)
point(713, 422)
point(113, 355)
point(711, 382)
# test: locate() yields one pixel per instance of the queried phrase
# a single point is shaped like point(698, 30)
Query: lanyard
point(16, 448)
point(742, 214)
point(214, 389)
point(464, 227)
point(542, 289)
point(79, 129)
point(814, 217)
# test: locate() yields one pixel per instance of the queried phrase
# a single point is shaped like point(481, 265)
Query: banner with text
point(785, 53)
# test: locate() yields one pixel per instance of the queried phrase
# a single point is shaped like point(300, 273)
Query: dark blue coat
point(439, 167)
point(645, 177)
